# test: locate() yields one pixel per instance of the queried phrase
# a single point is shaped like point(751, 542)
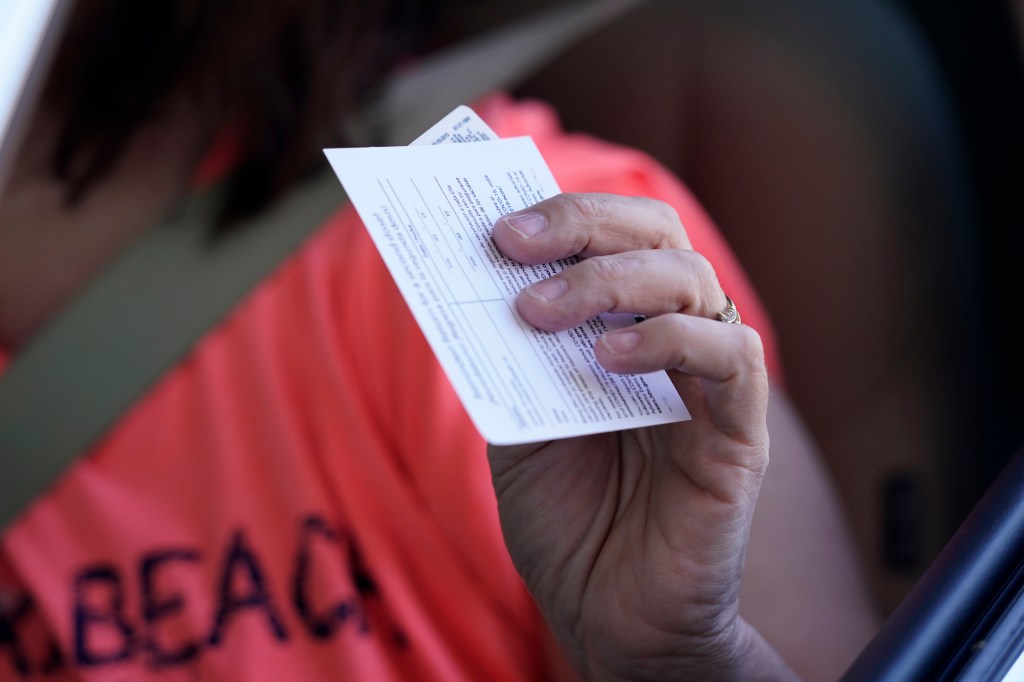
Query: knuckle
point(750, 347)
point(678, 258)
point(671, 233)
point(678, 327)
point(679, 322)
point(586, 207)
point(701, 267)
point(604, 268)
point(706, 282)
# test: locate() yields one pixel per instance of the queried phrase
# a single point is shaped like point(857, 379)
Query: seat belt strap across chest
point(65, 390)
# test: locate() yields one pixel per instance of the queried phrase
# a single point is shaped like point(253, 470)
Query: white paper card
point(461, 125)
point(429, 210)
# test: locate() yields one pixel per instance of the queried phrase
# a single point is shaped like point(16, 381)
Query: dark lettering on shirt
point(242, 562)
point(158, 606)
point(107, 632)
point(99, 615)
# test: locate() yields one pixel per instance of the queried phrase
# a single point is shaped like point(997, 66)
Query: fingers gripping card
point(429, 208)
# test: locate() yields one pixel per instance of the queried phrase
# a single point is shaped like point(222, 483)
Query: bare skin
point(634, 543)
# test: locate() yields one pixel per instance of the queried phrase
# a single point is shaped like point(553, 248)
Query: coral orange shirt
point(302, 497)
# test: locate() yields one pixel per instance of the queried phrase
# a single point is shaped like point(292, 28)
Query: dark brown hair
point(278, 72)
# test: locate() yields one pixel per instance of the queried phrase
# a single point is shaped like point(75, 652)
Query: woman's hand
point(632, 543)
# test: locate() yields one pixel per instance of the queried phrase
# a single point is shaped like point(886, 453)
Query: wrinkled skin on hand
point(632, 543)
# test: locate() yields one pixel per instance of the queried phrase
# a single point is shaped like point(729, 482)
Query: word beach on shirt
point(429, 208)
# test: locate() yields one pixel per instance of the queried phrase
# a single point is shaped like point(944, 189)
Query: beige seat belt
point(69, 386)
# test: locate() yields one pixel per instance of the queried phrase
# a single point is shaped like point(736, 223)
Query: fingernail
point(527, 224)
point(621, 342)
point(548, 290)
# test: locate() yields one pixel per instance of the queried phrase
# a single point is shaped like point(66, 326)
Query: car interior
point(862, 157)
